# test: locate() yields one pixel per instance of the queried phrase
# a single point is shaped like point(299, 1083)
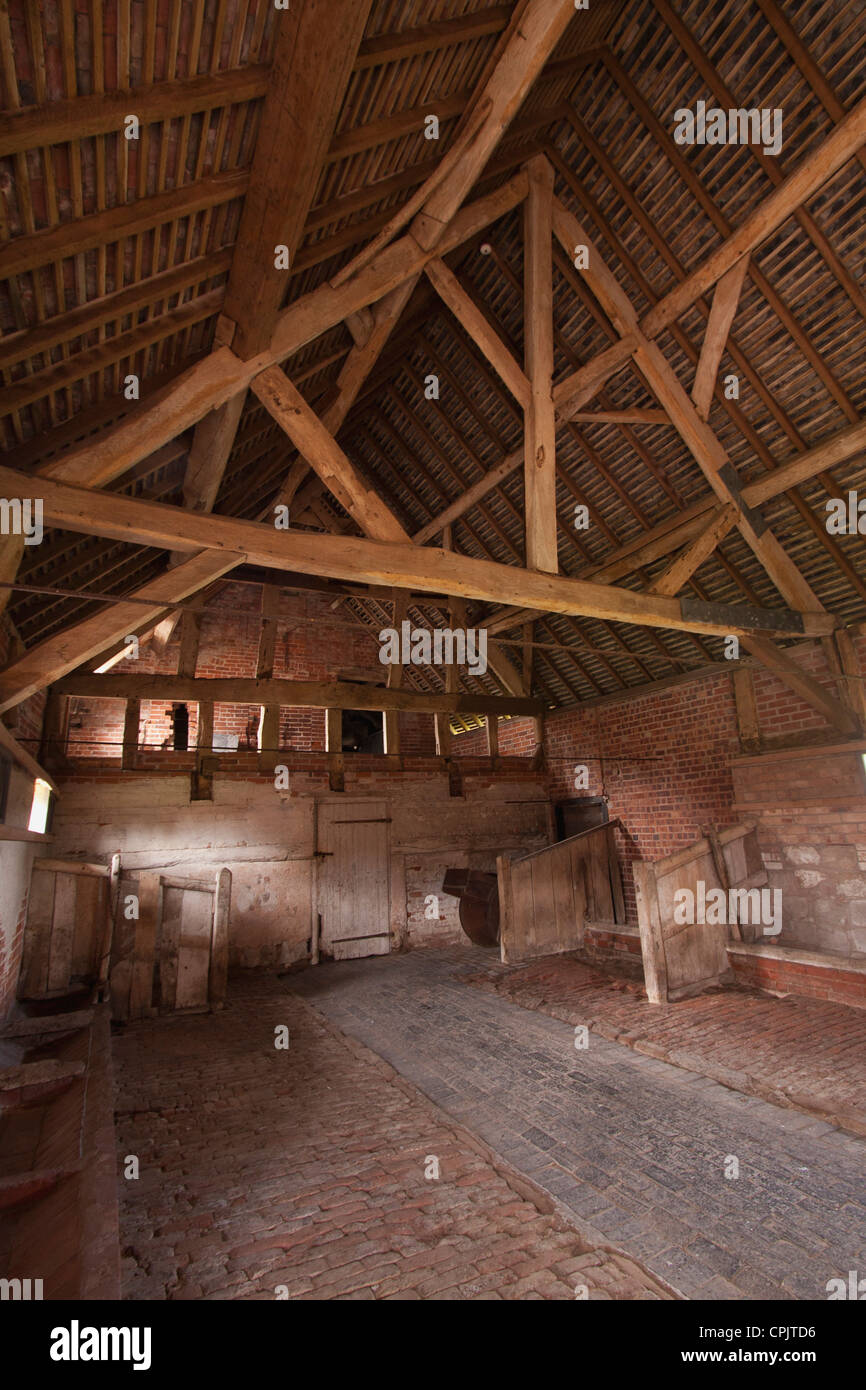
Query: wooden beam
point(539, 422)
point(724, 307)
point(704, 445)
point(57, 655)
point(131, 722)
point(110, 308)
point(683, 566)
point(250, 690)
point(427, 38)
point(810, 175)
point(853, 689)
point(10, 745)
point(638, 416)
point(315, 48)
point(835, 449)
point(392, 563)
point(747, 709)
point(221, 375)
point(807, 687)
point(467, 313)
point(117, 223)
point(491, 479)
point(317, 444)
point(60, 122)
point(580, 386)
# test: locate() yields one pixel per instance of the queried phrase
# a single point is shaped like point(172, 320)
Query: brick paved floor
point(636, 1148)
point(304, 1168)
point(792, 1051)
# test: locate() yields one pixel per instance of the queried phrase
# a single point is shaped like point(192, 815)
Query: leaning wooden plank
point(651, 940)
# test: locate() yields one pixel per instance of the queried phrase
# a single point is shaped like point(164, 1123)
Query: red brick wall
point(314, 643)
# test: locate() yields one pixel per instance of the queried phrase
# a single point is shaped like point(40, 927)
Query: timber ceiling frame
point(351, 329)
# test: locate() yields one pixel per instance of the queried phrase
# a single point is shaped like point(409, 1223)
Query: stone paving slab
point(300, 1173)
point(804, 1053)
point(641, 1152)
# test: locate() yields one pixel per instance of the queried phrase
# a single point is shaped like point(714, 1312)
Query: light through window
point(40, 806)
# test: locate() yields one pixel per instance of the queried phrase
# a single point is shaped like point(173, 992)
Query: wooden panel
point(194, 950)
point(220, 939)
point(547, 897)
point(89, 915)
point(146, 935)
point(167, 947)
point(37, 936)
point(354, 879)
point(62, 933)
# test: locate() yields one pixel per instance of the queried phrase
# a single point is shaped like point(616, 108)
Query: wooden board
point(354, 899)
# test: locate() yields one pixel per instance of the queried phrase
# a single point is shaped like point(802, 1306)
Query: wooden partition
point(547, 898)
point(70, 923)
point(177, 959)
point(685, 958)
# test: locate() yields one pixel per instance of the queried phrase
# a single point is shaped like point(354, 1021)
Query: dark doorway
point(579, 813)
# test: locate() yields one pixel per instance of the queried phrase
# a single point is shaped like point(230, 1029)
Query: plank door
point(354, 900)
point(193, 936)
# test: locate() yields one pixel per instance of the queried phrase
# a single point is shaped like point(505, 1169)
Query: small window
point(41, 808)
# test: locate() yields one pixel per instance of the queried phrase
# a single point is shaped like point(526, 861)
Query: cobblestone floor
point(792, 1051)
point(300, 1173)
point(637, 1149)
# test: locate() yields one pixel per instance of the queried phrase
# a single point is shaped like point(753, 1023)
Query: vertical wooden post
point(747, 709)
point(131, 721)
point(492, 730)
point(334, 747)
point(103, 957)
point(503, 874)
point(853, 690)
point(144, 951)
point(391, 726)
point(219, 960)
point(539, 421)
point(205, 726)
point(442, 728)
point(269, 723)
point(55, 729)
point(190, 635)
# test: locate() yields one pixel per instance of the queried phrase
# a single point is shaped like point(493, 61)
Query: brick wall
point(314, 643)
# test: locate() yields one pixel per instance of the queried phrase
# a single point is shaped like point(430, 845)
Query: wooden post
point(492, 730)
point(442, 728)
point(219, 961)
point(269, 723)
point(103, 957)
point(205, 726)
point(334, 747)
point(390, 721)
point(131, 721)
point(146, 931)
point(539, 420)
point(503, 874)
point(747, 709)
point(55, 729)
point(190, 635)
point(651, 941)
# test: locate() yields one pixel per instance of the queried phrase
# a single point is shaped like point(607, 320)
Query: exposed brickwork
point(237, 1198)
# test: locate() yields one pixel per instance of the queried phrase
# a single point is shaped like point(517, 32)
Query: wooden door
point(353, 900)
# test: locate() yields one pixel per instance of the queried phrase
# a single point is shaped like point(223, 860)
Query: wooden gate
point(683, 958)
point(353, 890)
point(177, 959)
point(547, 898)
point(70, 920)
